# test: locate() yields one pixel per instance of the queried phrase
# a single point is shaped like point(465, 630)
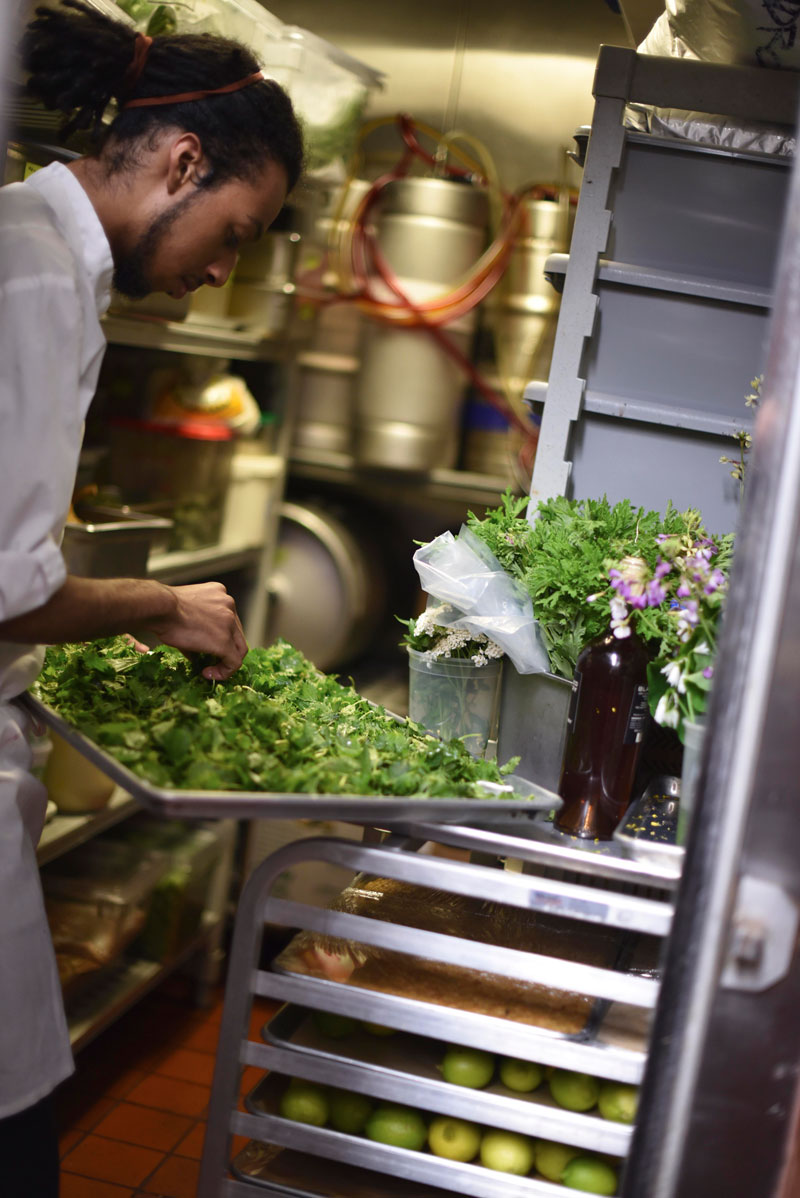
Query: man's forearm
point(85, 609)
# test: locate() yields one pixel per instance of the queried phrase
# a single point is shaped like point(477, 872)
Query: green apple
point(618, 1101)
point(304, 1102)
point(507, 1152)
point(467, 1067)
point(349, 1111)
point(399, 1125)
point(455, 1139)
point(522, 1076)
point(552, 1158)
point(574, 1091)
point(590, 1175)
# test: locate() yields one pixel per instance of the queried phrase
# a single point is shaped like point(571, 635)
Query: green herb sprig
point(277, 725)
point(562, 559)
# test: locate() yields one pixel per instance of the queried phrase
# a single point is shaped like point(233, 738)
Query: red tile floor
point(132, 1117)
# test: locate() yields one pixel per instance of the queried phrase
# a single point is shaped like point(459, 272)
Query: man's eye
point(232, 240)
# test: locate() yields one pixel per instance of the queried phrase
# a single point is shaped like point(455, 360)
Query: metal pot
point(328, 592)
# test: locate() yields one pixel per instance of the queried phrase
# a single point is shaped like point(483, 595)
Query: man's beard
point(131, 271)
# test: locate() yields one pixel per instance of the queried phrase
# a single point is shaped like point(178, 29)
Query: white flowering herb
point(436, 640)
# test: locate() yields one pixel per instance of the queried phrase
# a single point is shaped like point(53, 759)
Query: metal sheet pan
point(421, 1167)
point(371, 810)
point(408, 1063)
point(649, 829)
point(278, 1170)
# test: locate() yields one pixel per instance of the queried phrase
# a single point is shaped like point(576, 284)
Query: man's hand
point(201, 618)
point(205, 620)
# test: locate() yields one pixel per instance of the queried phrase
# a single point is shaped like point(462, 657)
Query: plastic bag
point(463, 572)
point(739, 32)
point(735, 32)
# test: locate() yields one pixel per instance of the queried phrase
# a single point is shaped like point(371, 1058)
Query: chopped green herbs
point(277, 726)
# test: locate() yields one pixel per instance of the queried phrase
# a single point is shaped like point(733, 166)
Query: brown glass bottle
point(607, 719)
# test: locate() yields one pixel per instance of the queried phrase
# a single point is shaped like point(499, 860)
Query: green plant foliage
point(277, 725)
point(562, 559)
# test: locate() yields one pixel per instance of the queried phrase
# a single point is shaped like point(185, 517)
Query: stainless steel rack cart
point(623, 897)
point(720, 1096)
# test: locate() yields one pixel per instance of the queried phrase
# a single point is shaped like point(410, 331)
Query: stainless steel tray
point(373, 810)
point(422, 1167)
point(277, 1170)
point(406, 1064)
point(650, 826)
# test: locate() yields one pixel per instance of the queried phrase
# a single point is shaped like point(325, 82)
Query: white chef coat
point(55, 283)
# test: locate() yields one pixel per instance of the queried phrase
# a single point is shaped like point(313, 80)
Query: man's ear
point(186, 163)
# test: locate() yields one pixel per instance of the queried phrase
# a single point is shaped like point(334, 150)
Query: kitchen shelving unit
point(121, 985)
point(723, 1046)
point(245, 569)
point(609, 892)
point(448, 486)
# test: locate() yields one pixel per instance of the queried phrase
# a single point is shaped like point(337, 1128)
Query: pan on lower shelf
point(300, 1175)
point(407, 1066)
point(373, 1168)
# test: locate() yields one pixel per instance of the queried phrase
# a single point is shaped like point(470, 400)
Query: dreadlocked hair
point(77, 59)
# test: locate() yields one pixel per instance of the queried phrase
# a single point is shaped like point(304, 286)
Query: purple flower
point(655, 593)
point(705, 549)
point(683, 591)
point(708, 672)
point(715, 580)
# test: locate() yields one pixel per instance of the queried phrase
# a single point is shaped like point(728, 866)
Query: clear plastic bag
point(463, 572)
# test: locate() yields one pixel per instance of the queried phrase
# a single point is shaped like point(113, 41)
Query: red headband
point(134, 71)
point(141, 48)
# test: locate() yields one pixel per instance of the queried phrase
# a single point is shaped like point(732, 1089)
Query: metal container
point(328, 592)
point(523, 309)
point(113, 542)
point(325, 402)
point(262, 293)
point(324, 418)
point(533, 724)
point(408, 400)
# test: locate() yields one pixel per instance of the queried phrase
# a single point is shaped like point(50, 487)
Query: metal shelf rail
point(599, 894)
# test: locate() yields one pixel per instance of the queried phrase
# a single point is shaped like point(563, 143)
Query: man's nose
point(218, 273)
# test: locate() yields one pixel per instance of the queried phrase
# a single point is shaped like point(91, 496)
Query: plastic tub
point(180, 897)
point(185, 467)
point(73, 783)
point(328, 88)
point(97, 899)
point(455, 699)
point(252, 492)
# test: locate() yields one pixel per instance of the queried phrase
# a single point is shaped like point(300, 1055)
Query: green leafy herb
point(277, 725)
point(562, 559)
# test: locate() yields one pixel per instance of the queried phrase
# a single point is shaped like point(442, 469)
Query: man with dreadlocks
point(198, 158)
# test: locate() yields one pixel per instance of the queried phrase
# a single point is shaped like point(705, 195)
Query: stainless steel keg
point(410, 391)
point(523, 309)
